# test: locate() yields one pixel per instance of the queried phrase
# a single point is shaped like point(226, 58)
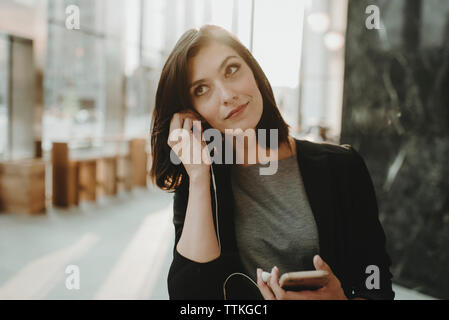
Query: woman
point(317, 211)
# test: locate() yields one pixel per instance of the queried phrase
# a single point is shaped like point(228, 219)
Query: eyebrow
point(219, 68)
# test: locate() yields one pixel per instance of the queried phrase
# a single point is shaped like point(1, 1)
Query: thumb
point(320, 264)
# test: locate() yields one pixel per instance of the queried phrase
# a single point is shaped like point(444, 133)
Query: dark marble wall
point(396, 113)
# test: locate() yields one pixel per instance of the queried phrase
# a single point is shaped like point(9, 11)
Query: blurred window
point(4, 67)
point(29, 3)
point(76, 77)
point(75, 74)
point(277, 45)
point(143, 35)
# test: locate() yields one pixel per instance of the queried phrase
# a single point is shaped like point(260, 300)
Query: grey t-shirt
point(274, 223)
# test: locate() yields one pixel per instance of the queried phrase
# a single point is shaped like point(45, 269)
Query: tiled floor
point(120, 247)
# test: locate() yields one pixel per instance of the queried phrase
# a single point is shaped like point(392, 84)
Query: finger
point(175, 123)
point(264, 289)
point(319, 264)
point(193, 113)
point(188, 113)
point(197, 129)
point(274, 284)
point(304, 295)
point(187, 125)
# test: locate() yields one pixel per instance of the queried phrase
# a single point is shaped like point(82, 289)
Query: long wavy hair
point(173, 96)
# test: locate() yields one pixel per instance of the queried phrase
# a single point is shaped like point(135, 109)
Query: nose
point(228, 96)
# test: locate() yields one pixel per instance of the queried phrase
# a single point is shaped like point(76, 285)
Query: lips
point(239, 108)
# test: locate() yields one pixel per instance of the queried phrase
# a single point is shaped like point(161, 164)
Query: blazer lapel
point(315, 172)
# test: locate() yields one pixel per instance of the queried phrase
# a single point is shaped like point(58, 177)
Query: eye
point(231, 69)
point(200, 90)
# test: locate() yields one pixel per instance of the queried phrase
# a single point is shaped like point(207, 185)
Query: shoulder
point(337, 156)
point(324, 148)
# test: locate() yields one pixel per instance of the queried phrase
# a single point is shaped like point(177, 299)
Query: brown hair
point(173, 96)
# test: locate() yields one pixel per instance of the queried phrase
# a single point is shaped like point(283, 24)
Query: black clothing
point(343, 201)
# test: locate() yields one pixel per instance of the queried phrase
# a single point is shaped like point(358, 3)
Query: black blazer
point(343, 201)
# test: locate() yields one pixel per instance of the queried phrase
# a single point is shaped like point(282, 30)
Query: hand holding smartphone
point(301, 280)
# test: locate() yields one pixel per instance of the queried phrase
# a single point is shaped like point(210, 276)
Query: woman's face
point(223, 88)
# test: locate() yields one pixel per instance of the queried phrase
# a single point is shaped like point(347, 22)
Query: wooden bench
point(80, 178)
point(22, 186)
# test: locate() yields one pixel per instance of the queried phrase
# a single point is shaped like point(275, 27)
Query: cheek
point(256, 95)
point(248, 85)
point(207, 109)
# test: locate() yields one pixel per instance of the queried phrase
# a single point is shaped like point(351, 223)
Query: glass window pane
point(4, 67)
point(277, 48)
point(74, 76)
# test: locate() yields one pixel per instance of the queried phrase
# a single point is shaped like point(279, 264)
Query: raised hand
point(185, 140)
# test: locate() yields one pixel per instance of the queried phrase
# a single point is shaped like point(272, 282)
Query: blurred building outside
point(100, 80)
